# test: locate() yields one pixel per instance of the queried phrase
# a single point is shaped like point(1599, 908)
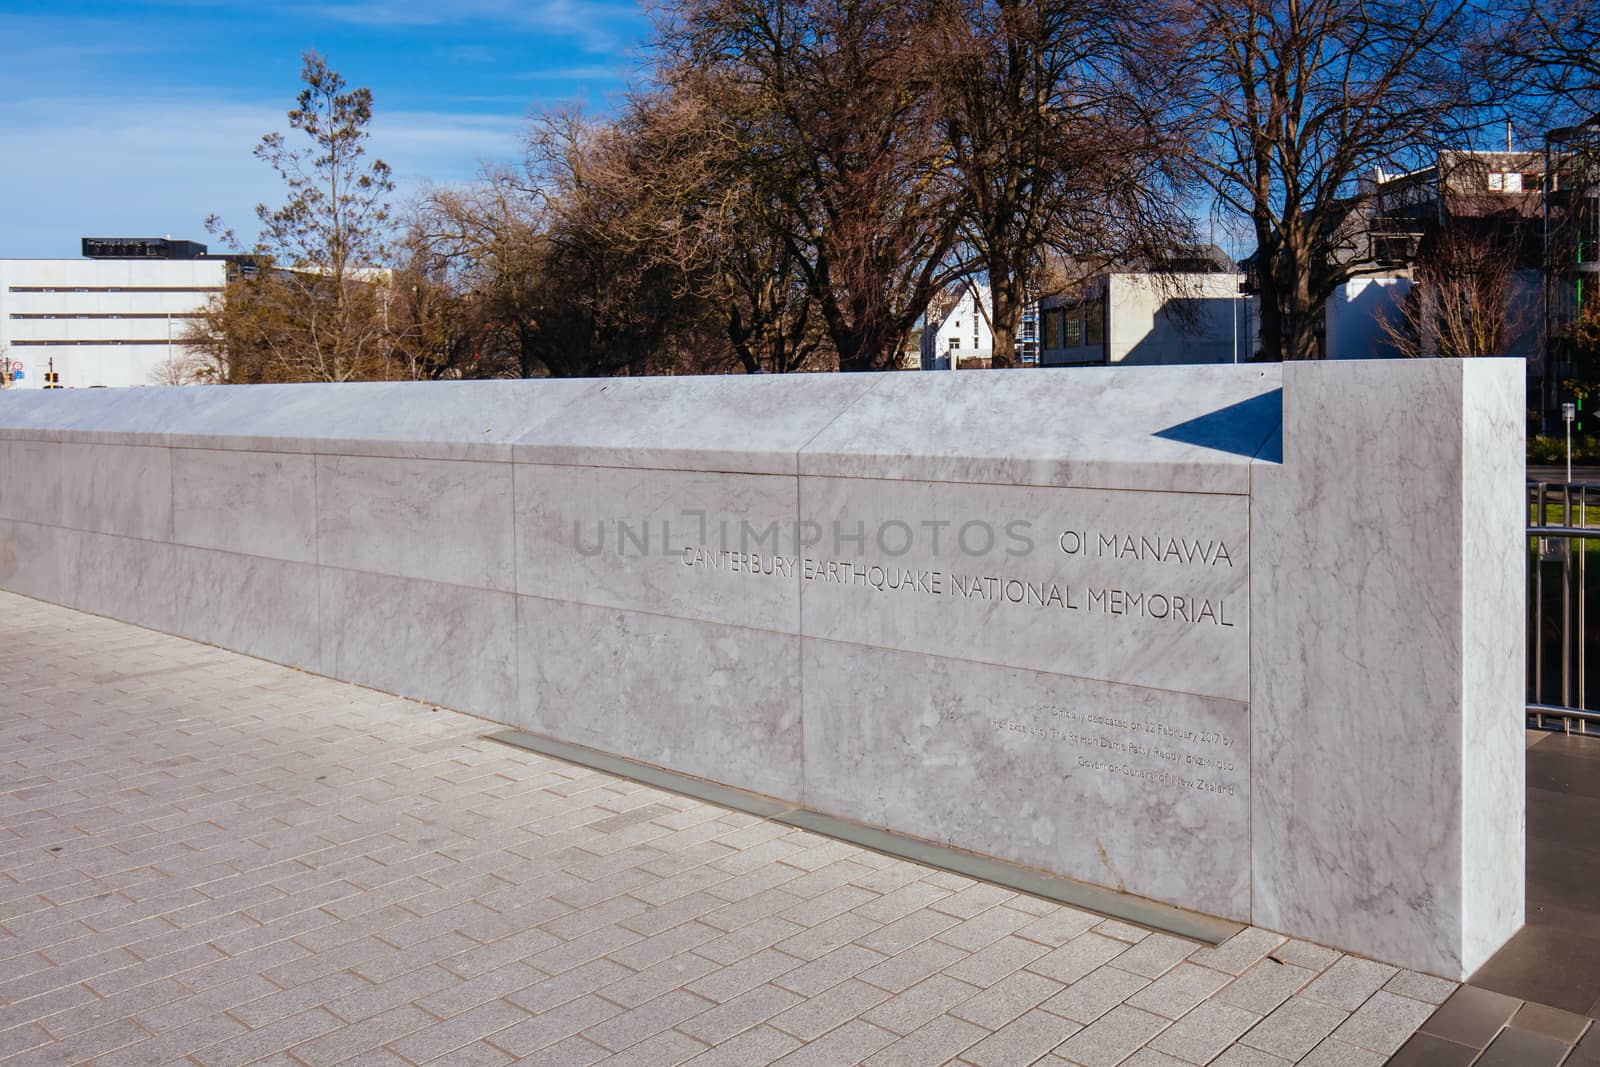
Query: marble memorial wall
point(1156, 629)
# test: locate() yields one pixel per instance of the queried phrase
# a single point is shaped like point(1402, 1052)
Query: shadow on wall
point(1239, 429)
point(1192, 330)
point(1356, 314)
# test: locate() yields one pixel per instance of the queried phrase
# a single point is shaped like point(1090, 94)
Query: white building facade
point(957, 327)
point(1147, 319)
point(110, 322)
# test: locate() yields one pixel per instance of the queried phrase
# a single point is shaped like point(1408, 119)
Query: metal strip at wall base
point(1125, 907)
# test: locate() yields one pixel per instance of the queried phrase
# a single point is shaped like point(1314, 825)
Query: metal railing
point(1560, 538)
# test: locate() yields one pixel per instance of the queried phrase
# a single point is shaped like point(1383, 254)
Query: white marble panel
point(1494, 588)
point(439, 520)
point(261, 503)
point(119, 577)
point(716, 547)
point(1143, 791)
point(432, 420)
point(33, 561)
point(30, 481)
point(425, 640)
point(113, 416)
point(1360, 707)
point(1189, 429)
point(437, 420)
point(749, 423)
point(717, 702)
point(466, 419)
point(261, 607)
point(116, 489)
point(1141, 588)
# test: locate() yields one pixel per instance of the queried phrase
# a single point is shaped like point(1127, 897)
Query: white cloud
point(610, 73)
point(602, 25)
point(156, 166)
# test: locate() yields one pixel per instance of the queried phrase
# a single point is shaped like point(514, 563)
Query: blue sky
point(138, 118)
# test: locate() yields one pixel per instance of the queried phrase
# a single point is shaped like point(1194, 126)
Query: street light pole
point(1568, 411)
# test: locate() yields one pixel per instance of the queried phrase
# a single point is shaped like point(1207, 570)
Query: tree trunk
point(1005, 311)
point(1271, 319)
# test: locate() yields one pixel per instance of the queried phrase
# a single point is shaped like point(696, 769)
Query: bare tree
point(1062, 134)
point(1549, 50)
point(618, 294)
point(490, 238)
point(844, 140)
point(724, 220)
point(1303, 97)
point(1463, 301)
point(184, 367)
point(315, 310)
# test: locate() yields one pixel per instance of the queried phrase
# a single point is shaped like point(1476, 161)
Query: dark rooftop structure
point(141, 248)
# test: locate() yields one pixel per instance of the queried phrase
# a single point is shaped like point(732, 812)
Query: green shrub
point(1543, 449)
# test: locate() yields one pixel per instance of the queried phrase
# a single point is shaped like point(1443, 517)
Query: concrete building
point(113, 318)
point(1466, 204)
point(957, 327)
point(1144, 318)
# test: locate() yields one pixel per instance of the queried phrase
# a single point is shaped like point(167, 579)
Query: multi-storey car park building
point(118, 316)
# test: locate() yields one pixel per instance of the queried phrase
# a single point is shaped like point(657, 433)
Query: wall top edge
point(1195, 428)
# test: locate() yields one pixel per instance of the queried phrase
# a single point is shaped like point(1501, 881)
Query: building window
point(955, 342)
point(1094, 327)
point(1071, 329)
point(117, 289)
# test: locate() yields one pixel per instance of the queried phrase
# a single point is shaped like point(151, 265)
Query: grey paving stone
point(815, 1016)
point(990, 964)
point(647, 1020)
point(1180, 989)
point(1384, 1022)
point(1113, 1037)
point(751, 1008)
point(985, 928)
point(846, 961)
point(1095, 994)
point(1058, 927)
point(1205, 1032)
point(921, 1004)
point(1265, 986)
point(1150, 1058)
point(752, 1048)
point(1008, 998)
point(1155, 955)
point(850, 1043)
point(1239, 952)
point(936, 1041)
point(1295, 1028)
point(1424, 987)
point(1335, 1053)
point(1305, 954)
point(975, 898)
point(901, 972)
point(1122, 931)
point(1077, 957)
point(1245, 1056)
point(1021, 1041)
point(1349, 982)
point(907, 930)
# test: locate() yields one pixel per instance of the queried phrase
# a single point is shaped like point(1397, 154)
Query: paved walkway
point(209, 859)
